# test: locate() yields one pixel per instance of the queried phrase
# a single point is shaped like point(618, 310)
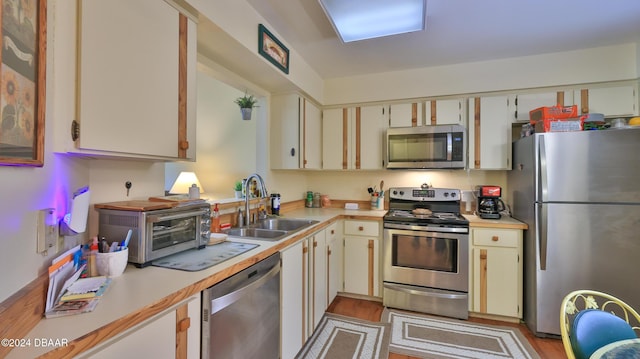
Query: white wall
point(226, 145)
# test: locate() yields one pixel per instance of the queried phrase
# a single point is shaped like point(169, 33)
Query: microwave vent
point(119, 220)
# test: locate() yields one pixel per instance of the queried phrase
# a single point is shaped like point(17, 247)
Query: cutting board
point(136, 205)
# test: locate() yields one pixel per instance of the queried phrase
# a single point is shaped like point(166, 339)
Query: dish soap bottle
point(215, 219)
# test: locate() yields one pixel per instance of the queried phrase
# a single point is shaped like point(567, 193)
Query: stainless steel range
point(426, 252)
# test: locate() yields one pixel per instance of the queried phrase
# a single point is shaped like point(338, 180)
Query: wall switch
point(47, 230)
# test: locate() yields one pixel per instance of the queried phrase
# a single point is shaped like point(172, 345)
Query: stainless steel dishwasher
point(241, 315)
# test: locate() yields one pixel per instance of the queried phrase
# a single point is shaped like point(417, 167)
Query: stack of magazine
point(69, 294)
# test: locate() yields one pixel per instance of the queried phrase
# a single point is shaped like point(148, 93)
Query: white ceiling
point(457, 31)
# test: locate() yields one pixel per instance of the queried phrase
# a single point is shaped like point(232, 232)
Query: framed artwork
point(272, 49)
point(22, 80)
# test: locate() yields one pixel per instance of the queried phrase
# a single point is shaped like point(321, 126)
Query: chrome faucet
point(247, 195)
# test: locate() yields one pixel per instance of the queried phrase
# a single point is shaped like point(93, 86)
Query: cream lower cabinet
point(174, 333)
point(497, 271)
point(303, 289)
point(362, 257)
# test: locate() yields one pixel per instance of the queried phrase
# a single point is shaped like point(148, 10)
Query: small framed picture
point(272, 49)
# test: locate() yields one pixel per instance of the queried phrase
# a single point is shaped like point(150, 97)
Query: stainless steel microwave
point(157, 233)
point(426, 147)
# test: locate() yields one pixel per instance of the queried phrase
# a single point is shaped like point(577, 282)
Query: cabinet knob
point(361, 228)
point(495, 238)
point(184, 145)
point(333, 232)
point(315, 244)
point(293, 152)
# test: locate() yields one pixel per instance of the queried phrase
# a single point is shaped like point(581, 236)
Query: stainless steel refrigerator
point(579, 193)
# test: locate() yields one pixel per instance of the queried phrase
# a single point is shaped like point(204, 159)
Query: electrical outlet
point(47, 229)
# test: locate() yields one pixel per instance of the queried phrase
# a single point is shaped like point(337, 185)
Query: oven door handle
point(155, 218)
point(405, 289)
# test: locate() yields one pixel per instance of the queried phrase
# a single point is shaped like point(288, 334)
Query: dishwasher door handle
point(226, 300)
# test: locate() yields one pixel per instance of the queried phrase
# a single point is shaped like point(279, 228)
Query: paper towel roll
point(76, 219)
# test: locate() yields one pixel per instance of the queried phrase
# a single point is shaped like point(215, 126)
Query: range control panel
point(424, 194)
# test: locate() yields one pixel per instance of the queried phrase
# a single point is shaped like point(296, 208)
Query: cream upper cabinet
point(362, 257)
point(524, 103)
point(352, 138)
point(497, 271)
point(369, 138)
point(406, 114)
point(136, 80)
point(610, 101)
point(295, 133)
point(446, 112)
point(489, 133)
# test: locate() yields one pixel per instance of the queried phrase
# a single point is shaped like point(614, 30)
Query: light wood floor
point(372, 310)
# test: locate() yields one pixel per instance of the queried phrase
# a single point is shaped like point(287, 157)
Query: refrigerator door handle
point(542, 153)
point(541, 220)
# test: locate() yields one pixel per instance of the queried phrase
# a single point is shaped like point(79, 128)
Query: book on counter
point(69, 294)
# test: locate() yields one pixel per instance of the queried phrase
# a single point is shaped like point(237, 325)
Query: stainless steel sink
point(271, 229)
point(284, 224)
point(257, 233)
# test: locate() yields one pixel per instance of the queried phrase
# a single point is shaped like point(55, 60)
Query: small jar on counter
point(309, 202)
point(316, 200)
point(275, 204)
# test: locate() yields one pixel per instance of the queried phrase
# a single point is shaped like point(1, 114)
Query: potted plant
point(238, 189)
point(246, 103)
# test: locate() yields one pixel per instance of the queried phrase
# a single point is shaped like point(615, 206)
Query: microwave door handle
point(160, 218)
point(449, 146)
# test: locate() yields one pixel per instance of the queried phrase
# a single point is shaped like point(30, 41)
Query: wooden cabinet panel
point(362, 258)
point(446, 112)
point(610, 101)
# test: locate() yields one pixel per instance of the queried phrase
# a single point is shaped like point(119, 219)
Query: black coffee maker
point(489, 203)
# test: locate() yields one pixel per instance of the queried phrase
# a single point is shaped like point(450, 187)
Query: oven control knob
point(395, 192)
point(402, 193)
point(446, 194)
point(453, 194)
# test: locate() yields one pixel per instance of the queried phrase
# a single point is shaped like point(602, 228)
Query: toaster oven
point(156, 233)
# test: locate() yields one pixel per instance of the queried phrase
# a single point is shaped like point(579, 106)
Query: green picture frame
point(272, 49)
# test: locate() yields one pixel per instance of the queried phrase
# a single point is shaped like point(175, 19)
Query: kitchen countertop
point(139, 294)
point(136, 295)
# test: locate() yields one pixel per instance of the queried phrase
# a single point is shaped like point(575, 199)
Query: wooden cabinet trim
point(434, 116)
point(303, 294)
point(476, 134)
point(560, 98)
point(358, 138)
point(414, 114)
point(183, 143)
point(304, 132)
point(345, 138)
point(483, 281)
point(584, 101)
point(183, 322)
point(371, 245)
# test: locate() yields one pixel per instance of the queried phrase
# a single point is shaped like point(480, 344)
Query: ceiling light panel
point(356, 20)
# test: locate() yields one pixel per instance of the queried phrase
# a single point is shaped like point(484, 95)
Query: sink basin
point(283, 224)
point(271, 229)
point(257, 233)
